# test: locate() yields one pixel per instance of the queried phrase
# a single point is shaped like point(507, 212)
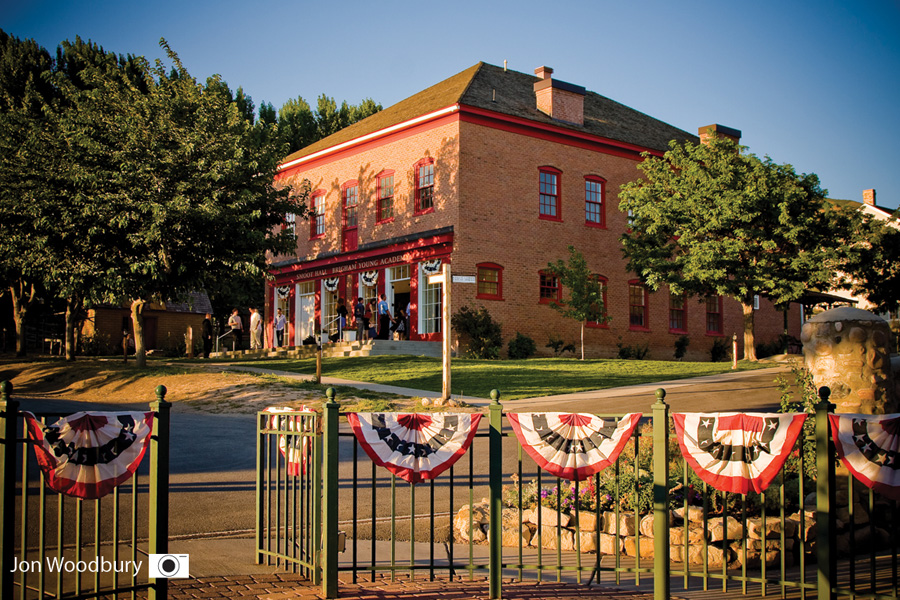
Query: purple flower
point(544, 493)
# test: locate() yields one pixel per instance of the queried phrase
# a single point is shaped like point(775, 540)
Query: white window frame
point(430, 310)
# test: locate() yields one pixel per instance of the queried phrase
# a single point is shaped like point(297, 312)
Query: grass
point(514, 378)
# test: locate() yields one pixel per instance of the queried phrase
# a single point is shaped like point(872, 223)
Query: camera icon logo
point(169, 566)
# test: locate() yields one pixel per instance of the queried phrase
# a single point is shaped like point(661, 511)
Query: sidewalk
point(293, 587)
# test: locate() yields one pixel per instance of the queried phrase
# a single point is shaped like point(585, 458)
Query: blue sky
point(812, 84)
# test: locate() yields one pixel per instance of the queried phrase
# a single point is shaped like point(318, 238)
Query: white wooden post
point(445, 280)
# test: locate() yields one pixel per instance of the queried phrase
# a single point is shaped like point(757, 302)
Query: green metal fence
point(289, 491)
point(40, 527)
point(782, 543)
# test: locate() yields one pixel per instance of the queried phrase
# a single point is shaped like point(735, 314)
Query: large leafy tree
point(873, 269)
point(186, 181)
point(25, 163)
point(582, 292)
point(714, 219)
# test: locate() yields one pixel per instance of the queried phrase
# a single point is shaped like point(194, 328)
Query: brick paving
point(294, 587)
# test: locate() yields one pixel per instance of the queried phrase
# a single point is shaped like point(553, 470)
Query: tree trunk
point(137, 320)
point(749, 341)
point(22, 295)
point(73, 310)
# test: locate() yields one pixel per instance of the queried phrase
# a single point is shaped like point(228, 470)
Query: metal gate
point(40, 528)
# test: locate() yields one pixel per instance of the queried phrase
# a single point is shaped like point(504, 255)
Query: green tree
point(714, 219)
point(187, 181)
point(874, 265)
point(25, 163)
point(583, 292)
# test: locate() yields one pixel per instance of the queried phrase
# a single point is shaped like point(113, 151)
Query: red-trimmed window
point(490, 281)
point(677, 313)
point(424, 174)
point(604, 282)
point(714, 324)
point(549, 194)
point(317, 218)
point(384, 209)
point(638, 306)
point(594, 201)
point(551, 290)
point(350, 203)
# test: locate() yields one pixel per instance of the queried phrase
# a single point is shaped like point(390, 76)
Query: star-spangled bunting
point(869, 446)
point(88, 454)
point(572, 446)
point(414, 446)
point(737, 452)
point(295, 448)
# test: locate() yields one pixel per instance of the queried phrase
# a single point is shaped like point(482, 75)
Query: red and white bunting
point(295, 448)
point(737, 452)
point(414, 446)
point(869, 445)
point(88, 454)
point(572, 446)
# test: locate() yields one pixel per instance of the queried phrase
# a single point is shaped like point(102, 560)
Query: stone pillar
point(847, 349)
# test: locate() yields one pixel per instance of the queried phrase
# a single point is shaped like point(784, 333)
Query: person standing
point(206, 332)
point(255, 329)
point(237, 330)
point(280, 322)
point(371, 321)
point(342, 318)
point(359, 314)
point(384, 318)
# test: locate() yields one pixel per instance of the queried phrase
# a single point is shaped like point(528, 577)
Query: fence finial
point(660, 395)
point(6, 388)
point(329, 393)
point(495, 396)
point(161, 393)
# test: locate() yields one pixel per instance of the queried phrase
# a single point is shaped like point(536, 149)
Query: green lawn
point(514, 378)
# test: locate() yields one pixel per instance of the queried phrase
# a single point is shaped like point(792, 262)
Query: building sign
point(464, 279)
point(352, 267)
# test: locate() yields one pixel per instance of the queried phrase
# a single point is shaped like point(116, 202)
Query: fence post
point(330, 498)
point(158, 504)
point(661, 496)
point(826, 559)
point(9, 409)
point(261, 463)
point(495, 476)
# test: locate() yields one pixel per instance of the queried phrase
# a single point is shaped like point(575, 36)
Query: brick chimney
point(869, 197)
point(714, 130)
point(560, 100)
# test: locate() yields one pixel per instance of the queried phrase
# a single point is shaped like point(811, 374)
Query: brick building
point(496, 172)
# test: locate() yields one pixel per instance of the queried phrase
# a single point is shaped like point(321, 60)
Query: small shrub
point(484, 334)
point(681, 345)
point(719, 350)
point(521, 347)
point(98, 345)
point(559, 347)
point(636, 352)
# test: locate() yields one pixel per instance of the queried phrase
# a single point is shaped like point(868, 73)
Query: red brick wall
point(486, 187)
point(499, 223)
point(438, 141)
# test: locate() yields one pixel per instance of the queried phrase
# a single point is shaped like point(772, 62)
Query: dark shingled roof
point(476, 87)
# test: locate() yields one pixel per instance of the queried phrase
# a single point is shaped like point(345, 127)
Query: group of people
point(384, 324)
point(382, 327)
